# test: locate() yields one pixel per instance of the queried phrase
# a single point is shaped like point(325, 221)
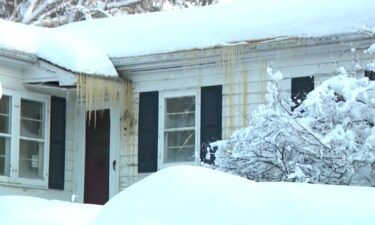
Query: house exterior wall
point(76, 140)
point(242, 74)
point(244, 82)
point(12, 78)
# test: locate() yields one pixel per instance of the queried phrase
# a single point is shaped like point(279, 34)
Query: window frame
point(9, 136)
point(15, 138)
point(161, 127)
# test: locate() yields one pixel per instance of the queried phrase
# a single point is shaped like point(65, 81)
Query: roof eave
point(179, 58)
point(18, 56)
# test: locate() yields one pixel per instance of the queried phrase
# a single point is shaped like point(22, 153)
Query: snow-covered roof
point(63, 49)
point(222, 24)
point(87, 46)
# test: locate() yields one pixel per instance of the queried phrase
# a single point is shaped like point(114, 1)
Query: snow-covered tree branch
point(329, 138)
point(58, 12)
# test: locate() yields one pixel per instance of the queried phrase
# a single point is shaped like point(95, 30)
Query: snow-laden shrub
point(329, 138)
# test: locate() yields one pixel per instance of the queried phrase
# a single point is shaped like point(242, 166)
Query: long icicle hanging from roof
point(94, 92)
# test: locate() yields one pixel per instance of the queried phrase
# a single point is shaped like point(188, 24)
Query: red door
point(97, 158)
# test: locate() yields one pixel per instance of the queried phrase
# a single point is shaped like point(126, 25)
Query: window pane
point(32, 129)
point(180, 120)
point(31, 119)
point(179, 146)
point(31, 109)
point(180, 112)
point(4, 156)
point(31, 159)
point(5, 114)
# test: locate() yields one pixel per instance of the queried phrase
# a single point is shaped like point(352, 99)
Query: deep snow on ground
point(21, 210)
point(187, 195)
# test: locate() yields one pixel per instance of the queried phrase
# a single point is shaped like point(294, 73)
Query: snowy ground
point(189, 195)
point(20, 210)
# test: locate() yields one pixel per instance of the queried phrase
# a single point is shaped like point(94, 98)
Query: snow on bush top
point(85, 46)
point(329, 138)
point(187, 195)
point(342, 112)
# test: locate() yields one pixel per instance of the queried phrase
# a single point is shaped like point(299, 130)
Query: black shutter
point(370, 75)
point(148, 132)
point(301, 86)
point(211, 117)
point(57, 143)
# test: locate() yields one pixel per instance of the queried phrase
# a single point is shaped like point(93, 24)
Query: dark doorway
point(97, 157)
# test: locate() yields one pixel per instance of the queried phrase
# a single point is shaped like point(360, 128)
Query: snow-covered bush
point(329, 138)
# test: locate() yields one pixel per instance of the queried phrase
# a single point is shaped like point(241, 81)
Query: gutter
point(212, 55)
point(18, 56)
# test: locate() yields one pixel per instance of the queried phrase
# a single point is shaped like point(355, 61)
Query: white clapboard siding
point(12, 78)
point(244, 84)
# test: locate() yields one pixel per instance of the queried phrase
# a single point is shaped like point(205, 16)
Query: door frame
point(80, 153)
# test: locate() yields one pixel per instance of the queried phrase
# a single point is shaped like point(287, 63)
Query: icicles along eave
point(95, 93)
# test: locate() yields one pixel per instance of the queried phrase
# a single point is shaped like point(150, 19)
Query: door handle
point(114, 165)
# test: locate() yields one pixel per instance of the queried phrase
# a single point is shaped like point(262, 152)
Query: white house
point(161, 86)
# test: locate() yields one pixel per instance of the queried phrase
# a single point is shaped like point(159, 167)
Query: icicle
point(93, 92)
point(228, 57)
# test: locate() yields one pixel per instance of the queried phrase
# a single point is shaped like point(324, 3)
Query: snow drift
point(188, 195)
point(21, 210)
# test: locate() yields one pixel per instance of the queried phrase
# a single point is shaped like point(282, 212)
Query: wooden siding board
point(319, 61)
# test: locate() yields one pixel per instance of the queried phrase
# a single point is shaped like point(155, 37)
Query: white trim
point(113, 153)
point(79, 165)
point(175, 94)
point(46, 72)
point(15, 137)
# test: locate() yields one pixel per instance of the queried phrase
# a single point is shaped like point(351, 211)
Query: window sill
point(166, 165)
point(23, 185)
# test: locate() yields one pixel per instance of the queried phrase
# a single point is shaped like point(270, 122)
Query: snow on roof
point(63, 49)
point(221, 24)
point(86, 46)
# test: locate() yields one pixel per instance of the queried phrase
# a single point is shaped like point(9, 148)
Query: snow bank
point(187, 195)
point(222, 24)
point(20, 210)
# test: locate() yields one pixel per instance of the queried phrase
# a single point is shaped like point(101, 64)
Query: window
point(5, 136)
point(179, 134)
point(31, 140)
point(23, 145)
point(173, 127)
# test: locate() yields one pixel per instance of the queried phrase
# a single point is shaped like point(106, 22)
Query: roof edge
point(211, 55)
point(19, 56)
